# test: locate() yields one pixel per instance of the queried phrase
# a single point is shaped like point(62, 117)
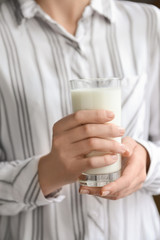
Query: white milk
point(100, 98)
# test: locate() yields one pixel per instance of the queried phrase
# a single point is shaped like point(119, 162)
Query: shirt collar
point(105, 8)
point(26, 9)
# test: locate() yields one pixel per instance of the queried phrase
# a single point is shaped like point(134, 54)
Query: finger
point(98, 161)
point(83, 117)
point(96, 144)
point(124, 194)
point(95, 130)
point(117, 186)
point(112, 188)
point(103, 192)
point(90, 190)
point(109, 194)
point(96, 191)
point(130, 146)
point(133, 174)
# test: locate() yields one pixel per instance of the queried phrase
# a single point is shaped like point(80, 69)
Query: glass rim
point(95, 79)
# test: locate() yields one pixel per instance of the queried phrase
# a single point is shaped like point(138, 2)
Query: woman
point(43, 45)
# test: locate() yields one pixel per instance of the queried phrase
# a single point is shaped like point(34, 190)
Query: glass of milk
point(99, 93)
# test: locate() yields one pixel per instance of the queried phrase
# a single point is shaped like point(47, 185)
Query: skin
point(67, 13)
point(85, 131)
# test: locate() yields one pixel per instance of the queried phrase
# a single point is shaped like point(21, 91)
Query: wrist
point(46, 175)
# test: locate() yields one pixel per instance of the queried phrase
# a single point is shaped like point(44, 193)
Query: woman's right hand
point(74, 137)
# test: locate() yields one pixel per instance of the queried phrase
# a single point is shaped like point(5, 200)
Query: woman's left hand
point(135, 164)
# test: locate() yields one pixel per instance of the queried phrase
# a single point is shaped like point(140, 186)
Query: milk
point(100, 98)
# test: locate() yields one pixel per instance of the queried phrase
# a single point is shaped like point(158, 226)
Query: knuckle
point(87, 129)
point(56, 141)
point(78, 116)
point(91, 163)
point(91, 143)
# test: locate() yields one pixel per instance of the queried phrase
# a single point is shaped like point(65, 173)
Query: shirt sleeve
point(152, 183)
point(19, 187)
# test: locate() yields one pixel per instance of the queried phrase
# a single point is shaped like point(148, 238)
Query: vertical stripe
point(34, 225)
point(7, 230)
point(79, 212)
point(38, 222)
point(42, 224)
point(73, 212)
point(49, 39)
point(82, 217)
point(97, 74)
point(8, 128)
point(42, 85)
point(65, 75)
point(23, 100)
point(62, 76)
point(117, 53)
point(58, 72)
point(56, 224)
point(15, 88)
point(130, 21)
point(19, 226)
point(111, 51)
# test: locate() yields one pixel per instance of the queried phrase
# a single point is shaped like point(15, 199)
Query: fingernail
point(105, 193)
point(84, 191)
point(110, 114)
point(114, 157)
point(121, 131)
point(123, 148)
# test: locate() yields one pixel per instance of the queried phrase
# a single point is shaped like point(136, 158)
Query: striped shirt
point(38, 57)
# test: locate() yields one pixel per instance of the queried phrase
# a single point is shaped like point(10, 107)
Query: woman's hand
point(135, 165)
point(73, 138)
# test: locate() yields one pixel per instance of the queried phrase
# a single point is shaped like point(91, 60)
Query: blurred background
point(154, 2)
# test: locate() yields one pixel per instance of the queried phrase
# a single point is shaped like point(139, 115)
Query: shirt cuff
point(27, 188)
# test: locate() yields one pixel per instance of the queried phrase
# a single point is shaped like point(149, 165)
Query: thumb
point(130, 146)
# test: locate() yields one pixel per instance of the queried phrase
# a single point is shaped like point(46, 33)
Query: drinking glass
point(99, 93)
